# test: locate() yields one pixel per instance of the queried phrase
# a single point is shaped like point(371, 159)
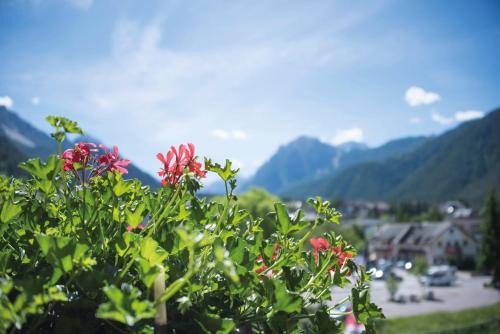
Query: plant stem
point(226, 209)
point(161, 308)
point(311, 230)
point(180, 282)
point(321, 272)
point(59, 148)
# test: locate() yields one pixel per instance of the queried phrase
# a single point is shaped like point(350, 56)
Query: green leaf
point(239, 253)
point(225, 173)
point(183, 213)
point(125, 306)
point(46, 186)
point(52, 294)
point(122, 186)
point(9, 211)
point(126, 244)
point(136, 217)
point(4, 261)
point(236, 216)
point(152, 252)
point(364, 311)
point(68, 125)
point(213, 323)
point(323, 323)
point(43, 171)
point(285, 301)
point(61, 252)
point(283, 218)
point(147, 271)
point(225, 264)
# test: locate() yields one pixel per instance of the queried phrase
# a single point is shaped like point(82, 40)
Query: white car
point(439, 275)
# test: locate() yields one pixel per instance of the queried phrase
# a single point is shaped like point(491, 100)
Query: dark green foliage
point(10, 157)
point(416, 211)
point(490, 240)
point(110, 255)
point(259, 203)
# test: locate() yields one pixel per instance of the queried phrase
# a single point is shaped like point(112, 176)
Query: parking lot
point(467, 292)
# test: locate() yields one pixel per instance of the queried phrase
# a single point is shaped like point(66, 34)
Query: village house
point(438, 243)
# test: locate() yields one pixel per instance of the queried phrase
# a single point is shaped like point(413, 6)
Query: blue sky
point(240, 78)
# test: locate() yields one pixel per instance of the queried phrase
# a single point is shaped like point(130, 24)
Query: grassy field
point(485, 320)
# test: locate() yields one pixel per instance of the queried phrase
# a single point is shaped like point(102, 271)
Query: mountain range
point(463, 163)
point(308, 159)
point(19, 141)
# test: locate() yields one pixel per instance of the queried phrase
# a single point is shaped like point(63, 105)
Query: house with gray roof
point(438, 243)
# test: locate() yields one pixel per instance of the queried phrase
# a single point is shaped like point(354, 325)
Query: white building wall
point(450, 237)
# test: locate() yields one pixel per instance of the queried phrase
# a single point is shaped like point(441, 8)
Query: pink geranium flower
point(319, 244)
point(322, 245)
point(84, 157)
point(110, 160)
point(176, 161)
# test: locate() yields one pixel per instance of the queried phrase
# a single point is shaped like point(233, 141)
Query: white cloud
point(35, 100)
point(468, 115)
point(229, 134)
point(416, 96)
point(459, 116)
point(354, 134)
point(81, 4)
point(443, 120)
point(220, 134)
point(6, 101)
point(239, 135)
point(415, 120)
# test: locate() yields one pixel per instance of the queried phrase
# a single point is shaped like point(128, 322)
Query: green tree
point(490, 250)
point(434, 215)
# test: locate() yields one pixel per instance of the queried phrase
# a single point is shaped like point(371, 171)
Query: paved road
point(467, 292)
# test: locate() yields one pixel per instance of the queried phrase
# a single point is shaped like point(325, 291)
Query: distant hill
point(10, 157)
point(19, 140)
point(390, 149)
point(463, 163)
point(301, 159)
point(307, 160)
point(24, 136)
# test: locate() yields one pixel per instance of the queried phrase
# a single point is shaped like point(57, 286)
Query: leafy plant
point(83, 248)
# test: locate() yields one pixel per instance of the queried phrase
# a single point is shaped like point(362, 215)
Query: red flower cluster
point(174, 168)
point(110, 161)
point(81, 154)
point(264, 267)
point(322, 245)
point(85, 156)
point(139, 227)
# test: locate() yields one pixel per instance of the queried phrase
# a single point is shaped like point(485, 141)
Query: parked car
point(384, 271)
point(406, 265)
point(439, 276)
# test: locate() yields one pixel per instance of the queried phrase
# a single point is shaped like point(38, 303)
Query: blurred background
point(387, 108)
